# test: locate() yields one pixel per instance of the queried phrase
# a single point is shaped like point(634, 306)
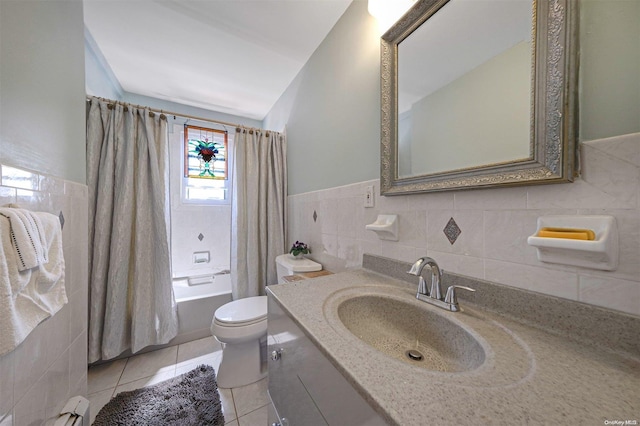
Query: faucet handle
point(451, 293)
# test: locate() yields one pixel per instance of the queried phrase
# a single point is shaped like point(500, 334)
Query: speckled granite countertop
point(530, 376)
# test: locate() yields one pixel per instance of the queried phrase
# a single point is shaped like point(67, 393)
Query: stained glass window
point(205, 152)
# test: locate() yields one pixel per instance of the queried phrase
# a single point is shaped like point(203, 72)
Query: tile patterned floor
point(243, 406)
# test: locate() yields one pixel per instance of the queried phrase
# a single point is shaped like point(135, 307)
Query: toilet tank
point(287, 265)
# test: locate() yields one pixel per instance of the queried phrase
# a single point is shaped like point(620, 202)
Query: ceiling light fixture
point(387, 12)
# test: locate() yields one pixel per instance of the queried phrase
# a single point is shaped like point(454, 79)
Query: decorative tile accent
point(315, 216)
point(61, 217)
point(452, 231)
point(201, 237)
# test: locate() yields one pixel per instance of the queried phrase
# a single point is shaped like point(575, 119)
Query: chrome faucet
point(434, 294)
point(435, 290)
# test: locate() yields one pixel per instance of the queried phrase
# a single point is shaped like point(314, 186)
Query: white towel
point(29, 296)
point(27, 237)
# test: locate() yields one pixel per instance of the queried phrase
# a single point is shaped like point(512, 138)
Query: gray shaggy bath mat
point(189, 399)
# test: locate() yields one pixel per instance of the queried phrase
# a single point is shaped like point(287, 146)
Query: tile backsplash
point(494, 225)
point(40, 375)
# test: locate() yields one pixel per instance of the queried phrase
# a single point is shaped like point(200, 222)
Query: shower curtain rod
point(175, 114)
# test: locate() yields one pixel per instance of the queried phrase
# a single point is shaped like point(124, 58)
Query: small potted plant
point(299, 249)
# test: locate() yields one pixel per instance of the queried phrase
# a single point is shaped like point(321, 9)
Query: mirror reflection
point(464, 87)
point(478, 94)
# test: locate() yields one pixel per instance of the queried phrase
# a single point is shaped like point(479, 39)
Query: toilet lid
point(242, 311)
point(298, 265)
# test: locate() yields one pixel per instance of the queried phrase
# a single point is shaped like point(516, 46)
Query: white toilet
point(241, 327)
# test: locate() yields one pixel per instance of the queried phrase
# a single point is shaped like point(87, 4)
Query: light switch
point(368, 196)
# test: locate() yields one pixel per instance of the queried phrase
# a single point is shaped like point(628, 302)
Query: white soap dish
point(386, 226)
point(600, 253)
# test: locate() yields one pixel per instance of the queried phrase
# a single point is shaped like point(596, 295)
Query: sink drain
point(414, 355)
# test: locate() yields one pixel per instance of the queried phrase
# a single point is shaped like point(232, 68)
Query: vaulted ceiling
point(231, 56)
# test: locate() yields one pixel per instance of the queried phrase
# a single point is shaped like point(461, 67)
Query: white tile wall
point(40, 375)
point(495, 224)
point(187, 222)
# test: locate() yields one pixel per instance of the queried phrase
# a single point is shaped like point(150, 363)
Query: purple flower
point(299, 248)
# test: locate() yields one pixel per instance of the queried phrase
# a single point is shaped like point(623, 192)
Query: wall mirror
point(479, 93)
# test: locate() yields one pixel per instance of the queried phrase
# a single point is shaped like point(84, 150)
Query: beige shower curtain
point(130, 292)
point(258, 213)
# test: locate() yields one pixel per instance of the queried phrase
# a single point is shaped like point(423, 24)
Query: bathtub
point(196, 305)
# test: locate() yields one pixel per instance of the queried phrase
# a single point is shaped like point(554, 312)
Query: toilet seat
point(242, 312)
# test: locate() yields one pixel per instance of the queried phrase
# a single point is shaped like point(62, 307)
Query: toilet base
point(242, 363)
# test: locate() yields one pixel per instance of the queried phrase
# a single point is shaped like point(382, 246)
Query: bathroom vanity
point(337, 346)
point(304, 386)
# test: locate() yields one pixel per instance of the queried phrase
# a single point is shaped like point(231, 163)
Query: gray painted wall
point(42, 109)
point(99, 77)
point(482, 117)
point(332, 108)
point(610, 68)
point(332, 111)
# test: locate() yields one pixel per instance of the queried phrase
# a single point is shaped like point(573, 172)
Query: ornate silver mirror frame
point(553, 113)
